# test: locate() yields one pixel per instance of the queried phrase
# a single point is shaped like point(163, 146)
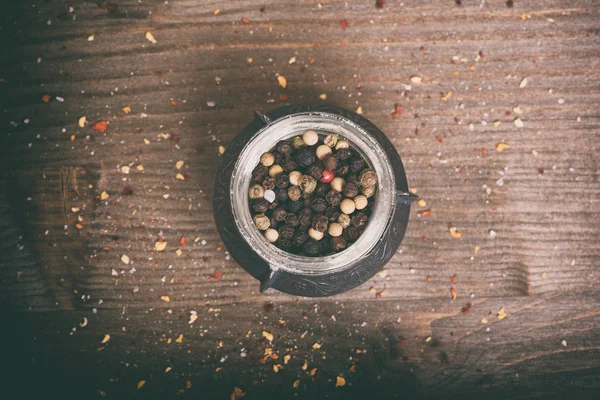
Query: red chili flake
point(311, 60)
point(183, 241)
point(379, 3)
point(397, 111)
point(283, 97)
point(480, 53)
point(452, 278)
point(439, 139)
point(215, 276)
point(173, 102)
point(344, 24)
point(507, 113)
point(100, 126)
point(453, 293)
point(245, 20)
point(483, 151)
point(424, 238)
point(219, 248)
point(262, 360)
point(466, 308)
point(342, 46)
point(46, 98)
point(424, 213)
point(429, 278)
point(541, 171)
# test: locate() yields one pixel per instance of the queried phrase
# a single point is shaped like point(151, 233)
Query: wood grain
point(542, 201)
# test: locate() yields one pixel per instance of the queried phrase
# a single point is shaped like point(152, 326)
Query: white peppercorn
point(295, 177)
point(297, 142)
point(262, 222)
point(271, 235)
point(322, 151)
point(331, 140)
point(275, 170)
point(310, 138)
point(361, 202)
point(347, 206)
point(335, 229)
point(342, 144)
point(267, 159)
point(338, 184)
point(344, 220)
point(315, 234)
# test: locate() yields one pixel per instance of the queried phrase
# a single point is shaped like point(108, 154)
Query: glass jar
point(295, 274)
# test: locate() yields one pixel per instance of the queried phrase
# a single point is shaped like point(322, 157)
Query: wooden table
point(498, 133)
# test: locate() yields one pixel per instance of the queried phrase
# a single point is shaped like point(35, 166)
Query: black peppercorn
point(292, 220)
point(259, 173)
point(332, 214)
point(279, 214)
point(316, 171)
point(274, 224)
point(334, 198)
point(311, 248)
point(338, 243)
point(284, 147)
point(286, 232)
point(351, 189)
point(299, 238)
point(279, 157)
point(320, 223)
point(343, 154)
point(273, 205)
point(295, 206)
point(325, 246)
point(351, 233)
point(282, 181)
point(322, 189)
point(281, 195)
point(306, 157)
point(351, 178)
point(330, 162)
point(261, 206)
point(305, 218)
point(269, 183)
point(283, 243)
point(288, 165)
point(357, 165)
point(342, 169)
point(318, 205)
point(359, 219)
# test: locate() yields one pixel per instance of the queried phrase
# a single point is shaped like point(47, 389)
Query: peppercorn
point(369, 191)
point(278, 157)
point(334, 229)
point(344, 220)
point(334, 198)
point(295, 177)
point(270, 196)
point(359, 219)
point(318, 205)
point(311, 248)
point(284, 147)
point(327, 176)
point(294, 193)
point(322, 151)
point(256, 192)
point(332, 214)
point(308, 184)
point(316, 171)
point(315, 234)
point(267, 159)
point(310, 137)
point(342, 144)
point(347, 206)
point(274, 224)
point(331, 140)
point(319, 223)
point(259, 173)
point(357, 164)
point(330, 162)
point(305, 218)
point(342, 169)
point(350, 190)
point(325, 246)
point(306, 156)
point(351, 233)
point(361, 202)
point(261, 206)
point(351, 178)
point(367, 178)
point(282, 181)
point(273, 205)
point(271, 235)
point(269, 183)
point(279, 214)
point(262, 222)
point(299, 238)
point(286, 231)
point(284, 244)
point(338, 184)
point(282, 196)
point(338, 243)
point(288, 165)
point(343, 154)
point(292, 220)
point(294, 206)
point(321, 190)
point(275, 170)
point(297, 142)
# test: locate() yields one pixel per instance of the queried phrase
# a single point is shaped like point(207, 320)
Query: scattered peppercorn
point(294, 193)
point(281, 196)
point(259, 173)
point(299, 238)
point(357, 165)
point(367, 178)
point(311, 248)
point(288, 165)
point(343, 154)
point(294, 206)
point(284, 244)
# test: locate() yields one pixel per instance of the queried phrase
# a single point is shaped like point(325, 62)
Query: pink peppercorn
point(327, 176)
